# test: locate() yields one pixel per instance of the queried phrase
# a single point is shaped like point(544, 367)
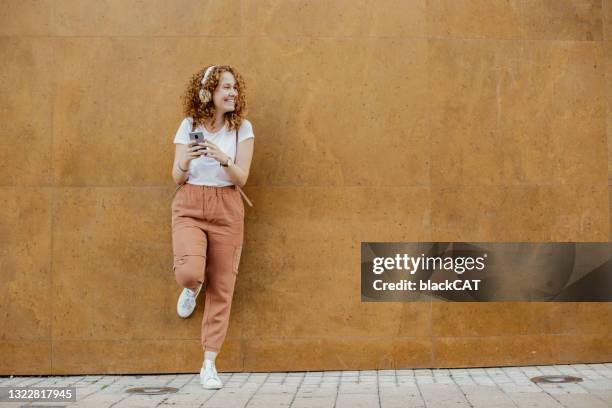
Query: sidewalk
point(471, 387)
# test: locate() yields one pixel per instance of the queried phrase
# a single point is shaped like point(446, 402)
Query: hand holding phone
point(193, 150)
point(196, 138)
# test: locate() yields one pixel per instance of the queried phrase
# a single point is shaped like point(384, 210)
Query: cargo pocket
point(179, 260)
point(189, 275)
point(236, 260)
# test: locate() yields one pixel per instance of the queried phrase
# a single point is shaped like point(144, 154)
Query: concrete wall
point(438, 120)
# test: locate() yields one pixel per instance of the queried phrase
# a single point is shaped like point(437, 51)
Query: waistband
point(220, 189)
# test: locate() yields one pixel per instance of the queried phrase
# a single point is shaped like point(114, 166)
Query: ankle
point(209, 356)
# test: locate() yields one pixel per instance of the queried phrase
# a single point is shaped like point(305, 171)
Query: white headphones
point(204, 94)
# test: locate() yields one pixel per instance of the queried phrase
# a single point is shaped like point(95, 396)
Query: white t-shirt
point(206, 171)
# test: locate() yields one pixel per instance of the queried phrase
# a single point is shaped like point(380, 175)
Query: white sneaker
point(208, 376)
point(187, 302)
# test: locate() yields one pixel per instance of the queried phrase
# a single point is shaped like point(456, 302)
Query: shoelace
point(210, 373)
point(212, 368)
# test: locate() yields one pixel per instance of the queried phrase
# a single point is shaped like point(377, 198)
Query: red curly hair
point(205, 113)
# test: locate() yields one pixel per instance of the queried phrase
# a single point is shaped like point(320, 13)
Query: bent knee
point(189, 270)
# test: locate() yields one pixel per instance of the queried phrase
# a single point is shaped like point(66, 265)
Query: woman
point(207, 211)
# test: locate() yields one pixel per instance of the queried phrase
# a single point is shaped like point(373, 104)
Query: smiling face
point(226, 93)
point(222, 96)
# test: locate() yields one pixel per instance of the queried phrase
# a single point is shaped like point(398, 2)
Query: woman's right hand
point(192, 152)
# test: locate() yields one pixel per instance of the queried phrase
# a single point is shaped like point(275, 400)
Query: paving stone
point(490, 387)
point(534, 400)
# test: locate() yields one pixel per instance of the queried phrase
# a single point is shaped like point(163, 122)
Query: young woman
point(207, 210)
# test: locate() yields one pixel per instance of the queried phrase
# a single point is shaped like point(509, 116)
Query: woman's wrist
point(223, 161)
point(181, 167)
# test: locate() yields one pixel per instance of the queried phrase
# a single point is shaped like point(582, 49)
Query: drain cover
point(556, 379)
point(152, 390)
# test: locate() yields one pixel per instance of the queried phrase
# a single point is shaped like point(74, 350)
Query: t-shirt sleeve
point(246, 131)
point(182, 134)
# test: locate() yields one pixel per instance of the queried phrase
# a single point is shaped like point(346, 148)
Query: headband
point(207, 73)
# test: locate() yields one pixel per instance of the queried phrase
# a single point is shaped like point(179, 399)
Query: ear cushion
point(205, 95)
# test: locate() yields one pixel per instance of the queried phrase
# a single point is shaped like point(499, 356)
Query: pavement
point(495, 387)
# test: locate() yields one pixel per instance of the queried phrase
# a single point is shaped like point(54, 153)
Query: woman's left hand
point(212, 150)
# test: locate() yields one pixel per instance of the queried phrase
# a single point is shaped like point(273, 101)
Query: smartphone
point(197, 137)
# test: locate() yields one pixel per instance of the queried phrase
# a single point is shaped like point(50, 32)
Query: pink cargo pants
point(207, 236)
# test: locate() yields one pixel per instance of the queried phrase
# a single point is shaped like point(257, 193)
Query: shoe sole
point(211, 388)
point(196, 295)
point(185, 317)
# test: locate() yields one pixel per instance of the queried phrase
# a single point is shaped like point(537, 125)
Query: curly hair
point(200, 112)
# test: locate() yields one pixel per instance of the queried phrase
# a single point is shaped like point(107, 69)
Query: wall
point(439, 120)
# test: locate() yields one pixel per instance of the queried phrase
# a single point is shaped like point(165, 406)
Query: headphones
point(204, 94)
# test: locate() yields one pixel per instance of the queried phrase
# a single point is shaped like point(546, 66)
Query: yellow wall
point(437, 120)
